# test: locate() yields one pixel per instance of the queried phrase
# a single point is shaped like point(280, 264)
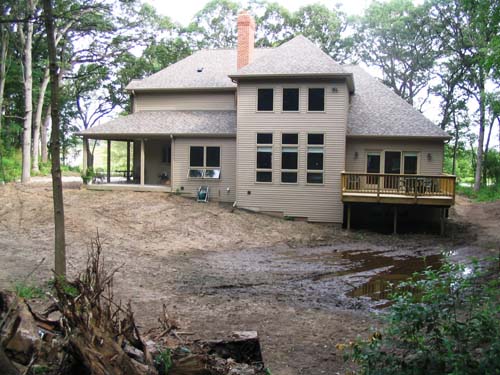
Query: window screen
point(265, 99)
point(196, 156)
point(264, 138)
point(289, 138)
point(290, 99)
point(213, 156)
point(316, 99)
point(315, 139)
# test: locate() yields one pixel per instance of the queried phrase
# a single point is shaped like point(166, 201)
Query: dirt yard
point(303, 287)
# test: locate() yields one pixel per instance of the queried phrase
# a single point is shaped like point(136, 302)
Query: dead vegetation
point(89, 332)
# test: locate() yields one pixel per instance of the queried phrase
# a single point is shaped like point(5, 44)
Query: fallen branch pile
point(96, 335)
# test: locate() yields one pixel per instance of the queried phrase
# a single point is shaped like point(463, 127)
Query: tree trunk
point(38, 119)
point(480, 142)
point(455, 146)
point(3, 64)
point(27, 36)
point(486, 149)
point(90, 154)
point(55, 144)
point(43, 135)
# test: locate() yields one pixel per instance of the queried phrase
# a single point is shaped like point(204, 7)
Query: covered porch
point(147, 167)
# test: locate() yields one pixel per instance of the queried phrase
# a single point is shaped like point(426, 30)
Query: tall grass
point(485, 194)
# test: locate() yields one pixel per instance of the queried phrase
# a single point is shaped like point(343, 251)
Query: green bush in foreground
point(442, 322)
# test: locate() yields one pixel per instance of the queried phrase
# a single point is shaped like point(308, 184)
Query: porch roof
point(158, 123)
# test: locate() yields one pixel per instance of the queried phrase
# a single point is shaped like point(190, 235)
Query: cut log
point(243, 347)
point(6, 365)
point(19, 332)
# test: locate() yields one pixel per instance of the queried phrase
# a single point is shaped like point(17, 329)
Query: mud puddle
point(325, 277)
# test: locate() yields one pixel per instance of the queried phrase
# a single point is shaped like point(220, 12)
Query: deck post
point(142, 161)
point(128, 161)
point(348, 216)
point(442, 220)
point(108, 172)
point(395, 222)
point(84, 155)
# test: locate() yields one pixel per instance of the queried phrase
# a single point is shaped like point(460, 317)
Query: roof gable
point(298, 56)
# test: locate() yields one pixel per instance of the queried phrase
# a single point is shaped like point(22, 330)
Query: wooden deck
point(398, 189)
point(130, 187)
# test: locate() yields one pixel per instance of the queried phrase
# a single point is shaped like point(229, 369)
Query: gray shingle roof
point(376, 110)
point(216, 64)
point(167, 122)
point(298, 56)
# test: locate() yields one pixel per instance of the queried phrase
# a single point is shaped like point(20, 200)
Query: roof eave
point(348, 76)
point(380, 136)
point(125, 136)
point(179, 89)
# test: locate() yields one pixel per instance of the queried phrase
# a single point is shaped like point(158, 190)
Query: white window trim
point(322, 171)
point(283, 96)
point(324, 99)
point(289, 145)
point(204, 168)
point(257, 145)
point(257, 99)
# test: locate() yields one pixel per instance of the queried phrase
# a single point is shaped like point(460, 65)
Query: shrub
point(442, 322)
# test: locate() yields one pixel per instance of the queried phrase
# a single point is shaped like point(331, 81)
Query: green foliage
point(444, 321)
point(10, 166)
point(163, 361)
point(492, 166)
point(485, 194)
point(28, 291)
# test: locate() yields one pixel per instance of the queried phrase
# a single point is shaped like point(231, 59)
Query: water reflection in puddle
point(381, 285)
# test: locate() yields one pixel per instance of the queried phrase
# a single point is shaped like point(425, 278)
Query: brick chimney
point(246, 37)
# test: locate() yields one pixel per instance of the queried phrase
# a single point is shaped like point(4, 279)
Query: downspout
point(172, 153)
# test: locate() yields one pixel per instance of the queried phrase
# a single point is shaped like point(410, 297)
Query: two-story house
point(283, 130)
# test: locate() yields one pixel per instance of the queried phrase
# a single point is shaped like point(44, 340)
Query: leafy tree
point(214, 26)
point(324, 27)
point(399, 38)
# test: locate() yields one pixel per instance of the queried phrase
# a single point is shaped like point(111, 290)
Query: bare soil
point(304, 287)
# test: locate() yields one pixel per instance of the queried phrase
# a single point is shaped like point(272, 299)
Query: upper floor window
point(264, 165)
point(316, 99)
point(265, 99)
point(290, 99)
point(204, 162)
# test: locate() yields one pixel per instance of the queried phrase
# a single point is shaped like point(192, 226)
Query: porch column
point(128, 161)
point(442, 218)
point(142, 161)
point(84, 166)
point(108, 172)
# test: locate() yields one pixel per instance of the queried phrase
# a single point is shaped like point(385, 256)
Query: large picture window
point(289, 157)
point(204, 162)
point(316, 99)
point(265, 99)
point(264, 165)
point(315, 158)
point(290, 99)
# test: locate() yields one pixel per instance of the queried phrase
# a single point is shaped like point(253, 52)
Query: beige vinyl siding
point(316, 202)
point(184, 101)
point(218, 187)
point(423, 147)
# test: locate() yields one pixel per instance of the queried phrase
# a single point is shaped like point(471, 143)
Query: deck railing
point(399, 184)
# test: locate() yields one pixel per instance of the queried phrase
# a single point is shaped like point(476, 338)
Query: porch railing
point(399, 184)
